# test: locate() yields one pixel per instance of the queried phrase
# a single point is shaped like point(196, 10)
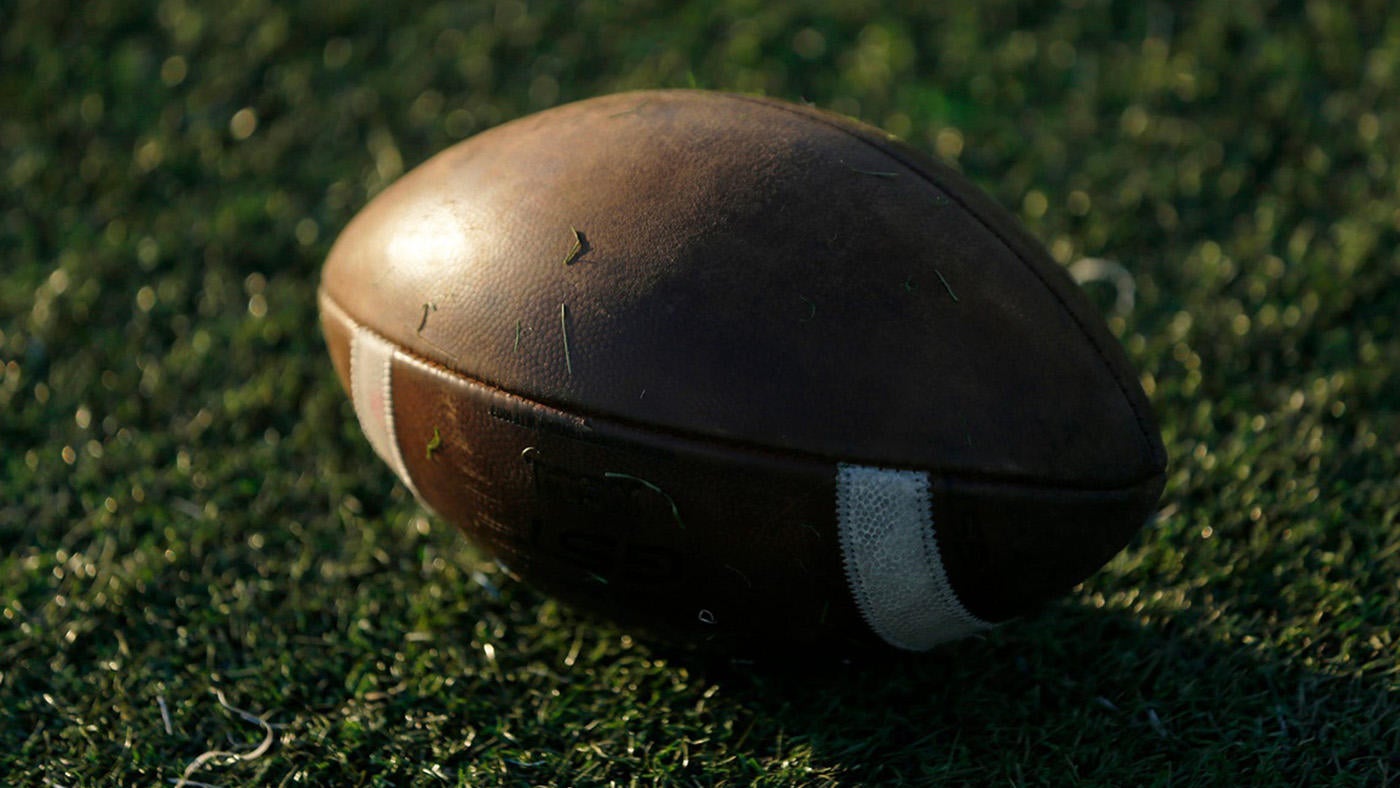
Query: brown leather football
point(740, 371)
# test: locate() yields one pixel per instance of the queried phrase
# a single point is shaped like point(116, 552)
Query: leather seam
point(947, 477)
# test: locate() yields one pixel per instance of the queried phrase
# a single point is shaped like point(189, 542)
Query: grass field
point(191, 523)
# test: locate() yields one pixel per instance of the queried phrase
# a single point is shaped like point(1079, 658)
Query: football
point(740, 372)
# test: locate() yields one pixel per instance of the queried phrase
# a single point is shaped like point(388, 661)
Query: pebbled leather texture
point(702, 541)
point(677, 536)
point(755, 272)
point(635, 338)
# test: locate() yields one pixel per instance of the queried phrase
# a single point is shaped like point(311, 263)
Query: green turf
point(186, 505)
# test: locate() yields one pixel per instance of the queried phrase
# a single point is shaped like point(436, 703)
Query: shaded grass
point(186, 504)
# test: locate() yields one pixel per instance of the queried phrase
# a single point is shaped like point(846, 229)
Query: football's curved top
point(732, 268)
